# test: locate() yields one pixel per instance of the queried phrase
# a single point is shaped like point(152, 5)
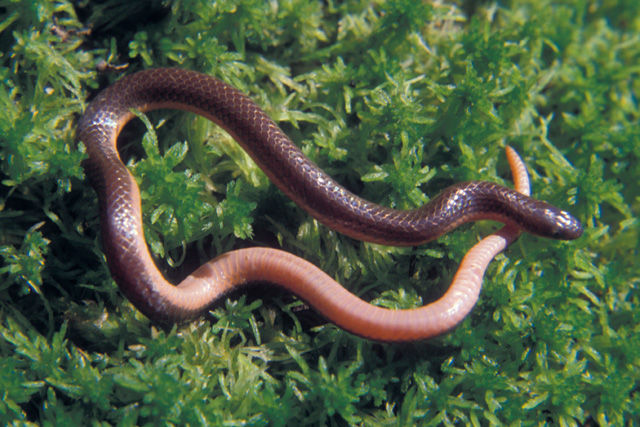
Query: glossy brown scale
point(132, 266)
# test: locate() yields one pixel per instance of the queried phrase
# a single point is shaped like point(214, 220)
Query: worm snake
point(134, 270)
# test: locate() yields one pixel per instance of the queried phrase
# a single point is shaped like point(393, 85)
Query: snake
point(134, 270)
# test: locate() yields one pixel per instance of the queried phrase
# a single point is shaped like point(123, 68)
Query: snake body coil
point(298, 177)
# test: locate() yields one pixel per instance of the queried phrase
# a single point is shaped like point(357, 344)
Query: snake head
point(556, 223)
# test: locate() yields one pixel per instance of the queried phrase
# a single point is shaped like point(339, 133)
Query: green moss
point(396, 99)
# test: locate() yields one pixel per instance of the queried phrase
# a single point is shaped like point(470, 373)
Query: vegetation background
point(396, 99)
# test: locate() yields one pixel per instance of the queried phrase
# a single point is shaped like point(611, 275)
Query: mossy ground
point(396, 100)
